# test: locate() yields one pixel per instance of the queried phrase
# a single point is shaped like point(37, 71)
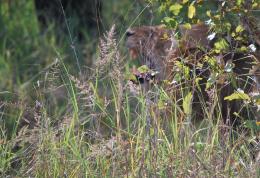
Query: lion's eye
point(129, 33)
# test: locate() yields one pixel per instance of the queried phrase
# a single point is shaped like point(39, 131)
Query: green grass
point(56, 123)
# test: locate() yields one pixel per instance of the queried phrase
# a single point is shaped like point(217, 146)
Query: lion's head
point(151, 44)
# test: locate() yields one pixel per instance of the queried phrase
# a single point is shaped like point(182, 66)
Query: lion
point(152, 45)
point(158, 47)
point(156, 44)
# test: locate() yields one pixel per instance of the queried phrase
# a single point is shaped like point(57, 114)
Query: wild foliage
point(59, 122)
point(231, 53)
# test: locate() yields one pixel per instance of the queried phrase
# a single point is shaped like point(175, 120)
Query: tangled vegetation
point(95, 118)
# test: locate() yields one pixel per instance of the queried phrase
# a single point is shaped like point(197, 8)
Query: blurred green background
point(35, 33)
point(28, 46)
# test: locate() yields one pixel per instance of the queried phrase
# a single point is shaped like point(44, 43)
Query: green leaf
point(186, 72)
point(237, 95)
point(197, 82)
point(165, 36)
point(191, 11)
point(184, 1)
point(177, 77)
point(170, 21)
point(208, 13)
point(254, 5)
point(187, 103)
point(239, 29)
point(239, 2)
point(162, 7)
point(199, 146)
point(227, 26)
point(131, 77)
point(211, 61)
point(187, 26)
point(175, 8)
point(243, 49)
point(217, 17)
point(211, 80)
point(161, 104)
point(221, 45)
point(143, 69)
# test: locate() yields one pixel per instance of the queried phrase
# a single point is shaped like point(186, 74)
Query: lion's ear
point(196, 35)
point(152, 31)
point(159, 28)
point(158, 31)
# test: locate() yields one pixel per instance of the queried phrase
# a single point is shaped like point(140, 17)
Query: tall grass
point(103, 126)
point(118, 134)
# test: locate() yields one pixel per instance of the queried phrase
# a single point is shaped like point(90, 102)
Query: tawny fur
point(157, 46)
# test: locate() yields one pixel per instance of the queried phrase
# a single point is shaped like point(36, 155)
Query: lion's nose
point(129, 32)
